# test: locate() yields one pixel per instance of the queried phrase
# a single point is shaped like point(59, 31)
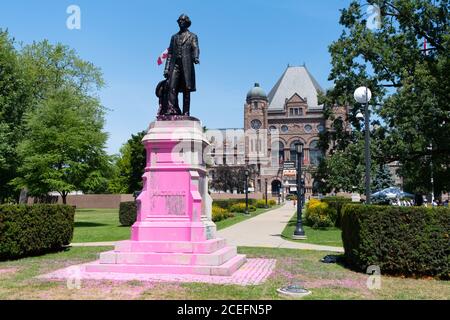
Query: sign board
point(289, 165)
point(290, 173)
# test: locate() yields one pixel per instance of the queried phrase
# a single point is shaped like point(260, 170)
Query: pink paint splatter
point(254, 272)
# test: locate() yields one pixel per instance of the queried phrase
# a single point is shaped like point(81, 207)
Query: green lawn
point(239, 217)
point(326, 281)
point(326, 237)
point(99, 225)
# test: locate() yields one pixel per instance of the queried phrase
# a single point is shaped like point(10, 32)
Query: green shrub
point(219, 214)
point(337, 203)
point(127, 213)
point(261, 204)
point(409, 241)
point(291, 197)
point(227, 203)
point(32, 230)
point(320, 215)
point(272, 203)
point(240, 207)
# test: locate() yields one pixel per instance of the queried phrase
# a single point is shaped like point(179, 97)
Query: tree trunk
point(64, 198)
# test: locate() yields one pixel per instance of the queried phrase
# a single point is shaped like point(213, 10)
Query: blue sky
point(241, 42)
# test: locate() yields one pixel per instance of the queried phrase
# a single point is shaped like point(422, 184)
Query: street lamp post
point(247, 173)
point(299, 233)
point(267, 206)
point(363, 95)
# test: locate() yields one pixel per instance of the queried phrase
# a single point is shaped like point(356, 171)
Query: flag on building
point(163, 57)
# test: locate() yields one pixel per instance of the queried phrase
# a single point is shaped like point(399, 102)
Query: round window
point(321, 128)
point(273, 129)
point(256, 124)
point(308, 128)
point(284, 129)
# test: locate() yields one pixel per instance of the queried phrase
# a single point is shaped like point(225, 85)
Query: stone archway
point(276, 187)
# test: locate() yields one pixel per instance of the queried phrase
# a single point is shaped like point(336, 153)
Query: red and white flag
point(163, 57)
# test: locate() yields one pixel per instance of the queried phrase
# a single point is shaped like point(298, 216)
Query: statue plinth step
point(157, 258)
point(208, 246)
point(226, 269)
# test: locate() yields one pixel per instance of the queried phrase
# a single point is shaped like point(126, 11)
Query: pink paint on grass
point(254, 272)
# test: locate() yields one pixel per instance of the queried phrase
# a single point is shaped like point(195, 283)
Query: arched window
point(294, 150)
point(315, 154)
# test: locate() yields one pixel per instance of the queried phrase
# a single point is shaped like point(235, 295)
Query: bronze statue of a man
point(183, 53)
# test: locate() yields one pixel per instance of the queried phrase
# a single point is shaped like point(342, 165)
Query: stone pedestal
point(174, 232)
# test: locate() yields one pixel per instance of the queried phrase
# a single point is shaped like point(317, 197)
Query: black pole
point(246, 194)
point(367, 149)
point(267, 206)
point(299, 233)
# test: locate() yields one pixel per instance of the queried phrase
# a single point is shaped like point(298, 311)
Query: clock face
point(256, 124)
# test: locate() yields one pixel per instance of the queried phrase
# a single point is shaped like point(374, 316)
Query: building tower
point(255, 127)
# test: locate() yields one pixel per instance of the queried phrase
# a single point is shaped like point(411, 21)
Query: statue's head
point(184, 22)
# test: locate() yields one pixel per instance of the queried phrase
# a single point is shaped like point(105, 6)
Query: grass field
point(326, 237)
point(326, 281)
point(100, 225)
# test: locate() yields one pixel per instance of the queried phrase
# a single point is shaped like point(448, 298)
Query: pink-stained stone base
point(253, 272)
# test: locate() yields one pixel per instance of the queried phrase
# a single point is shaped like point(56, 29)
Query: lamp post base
point(295, 237)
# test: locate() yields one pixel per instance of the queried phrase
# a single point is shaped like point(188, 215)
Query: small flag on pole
point(163, 57)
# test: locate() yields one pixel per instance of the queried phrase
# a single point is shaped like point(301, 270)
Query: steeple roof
point(295, 80)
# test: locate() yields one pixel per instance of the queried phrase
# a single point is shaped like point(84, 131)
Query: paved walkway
point(265, 231)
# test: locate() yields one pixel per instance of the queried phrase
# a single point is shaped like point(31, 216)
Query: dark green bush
point(409, 241)
point(127, 213)
point(32, 230)
point(337, 203)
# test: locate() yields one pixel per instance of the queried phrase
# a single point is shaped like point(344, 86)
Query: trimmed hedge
point(32, 230)
point(409, 241)
point(337, 203)
point(127, 213)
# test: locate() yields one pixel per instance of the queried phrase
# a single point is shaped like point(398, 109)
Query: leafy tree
point(129, 166)
point(228, 178)
point(382, 179)
point(64, 150)
point(15, 100)
point(411, 89)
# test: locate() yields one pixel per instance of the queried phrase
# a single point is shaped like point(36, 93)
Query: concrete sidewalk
point(265, 231)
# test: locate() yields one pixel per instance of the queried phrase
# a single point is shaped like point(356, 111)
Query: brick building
point(273, 124)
